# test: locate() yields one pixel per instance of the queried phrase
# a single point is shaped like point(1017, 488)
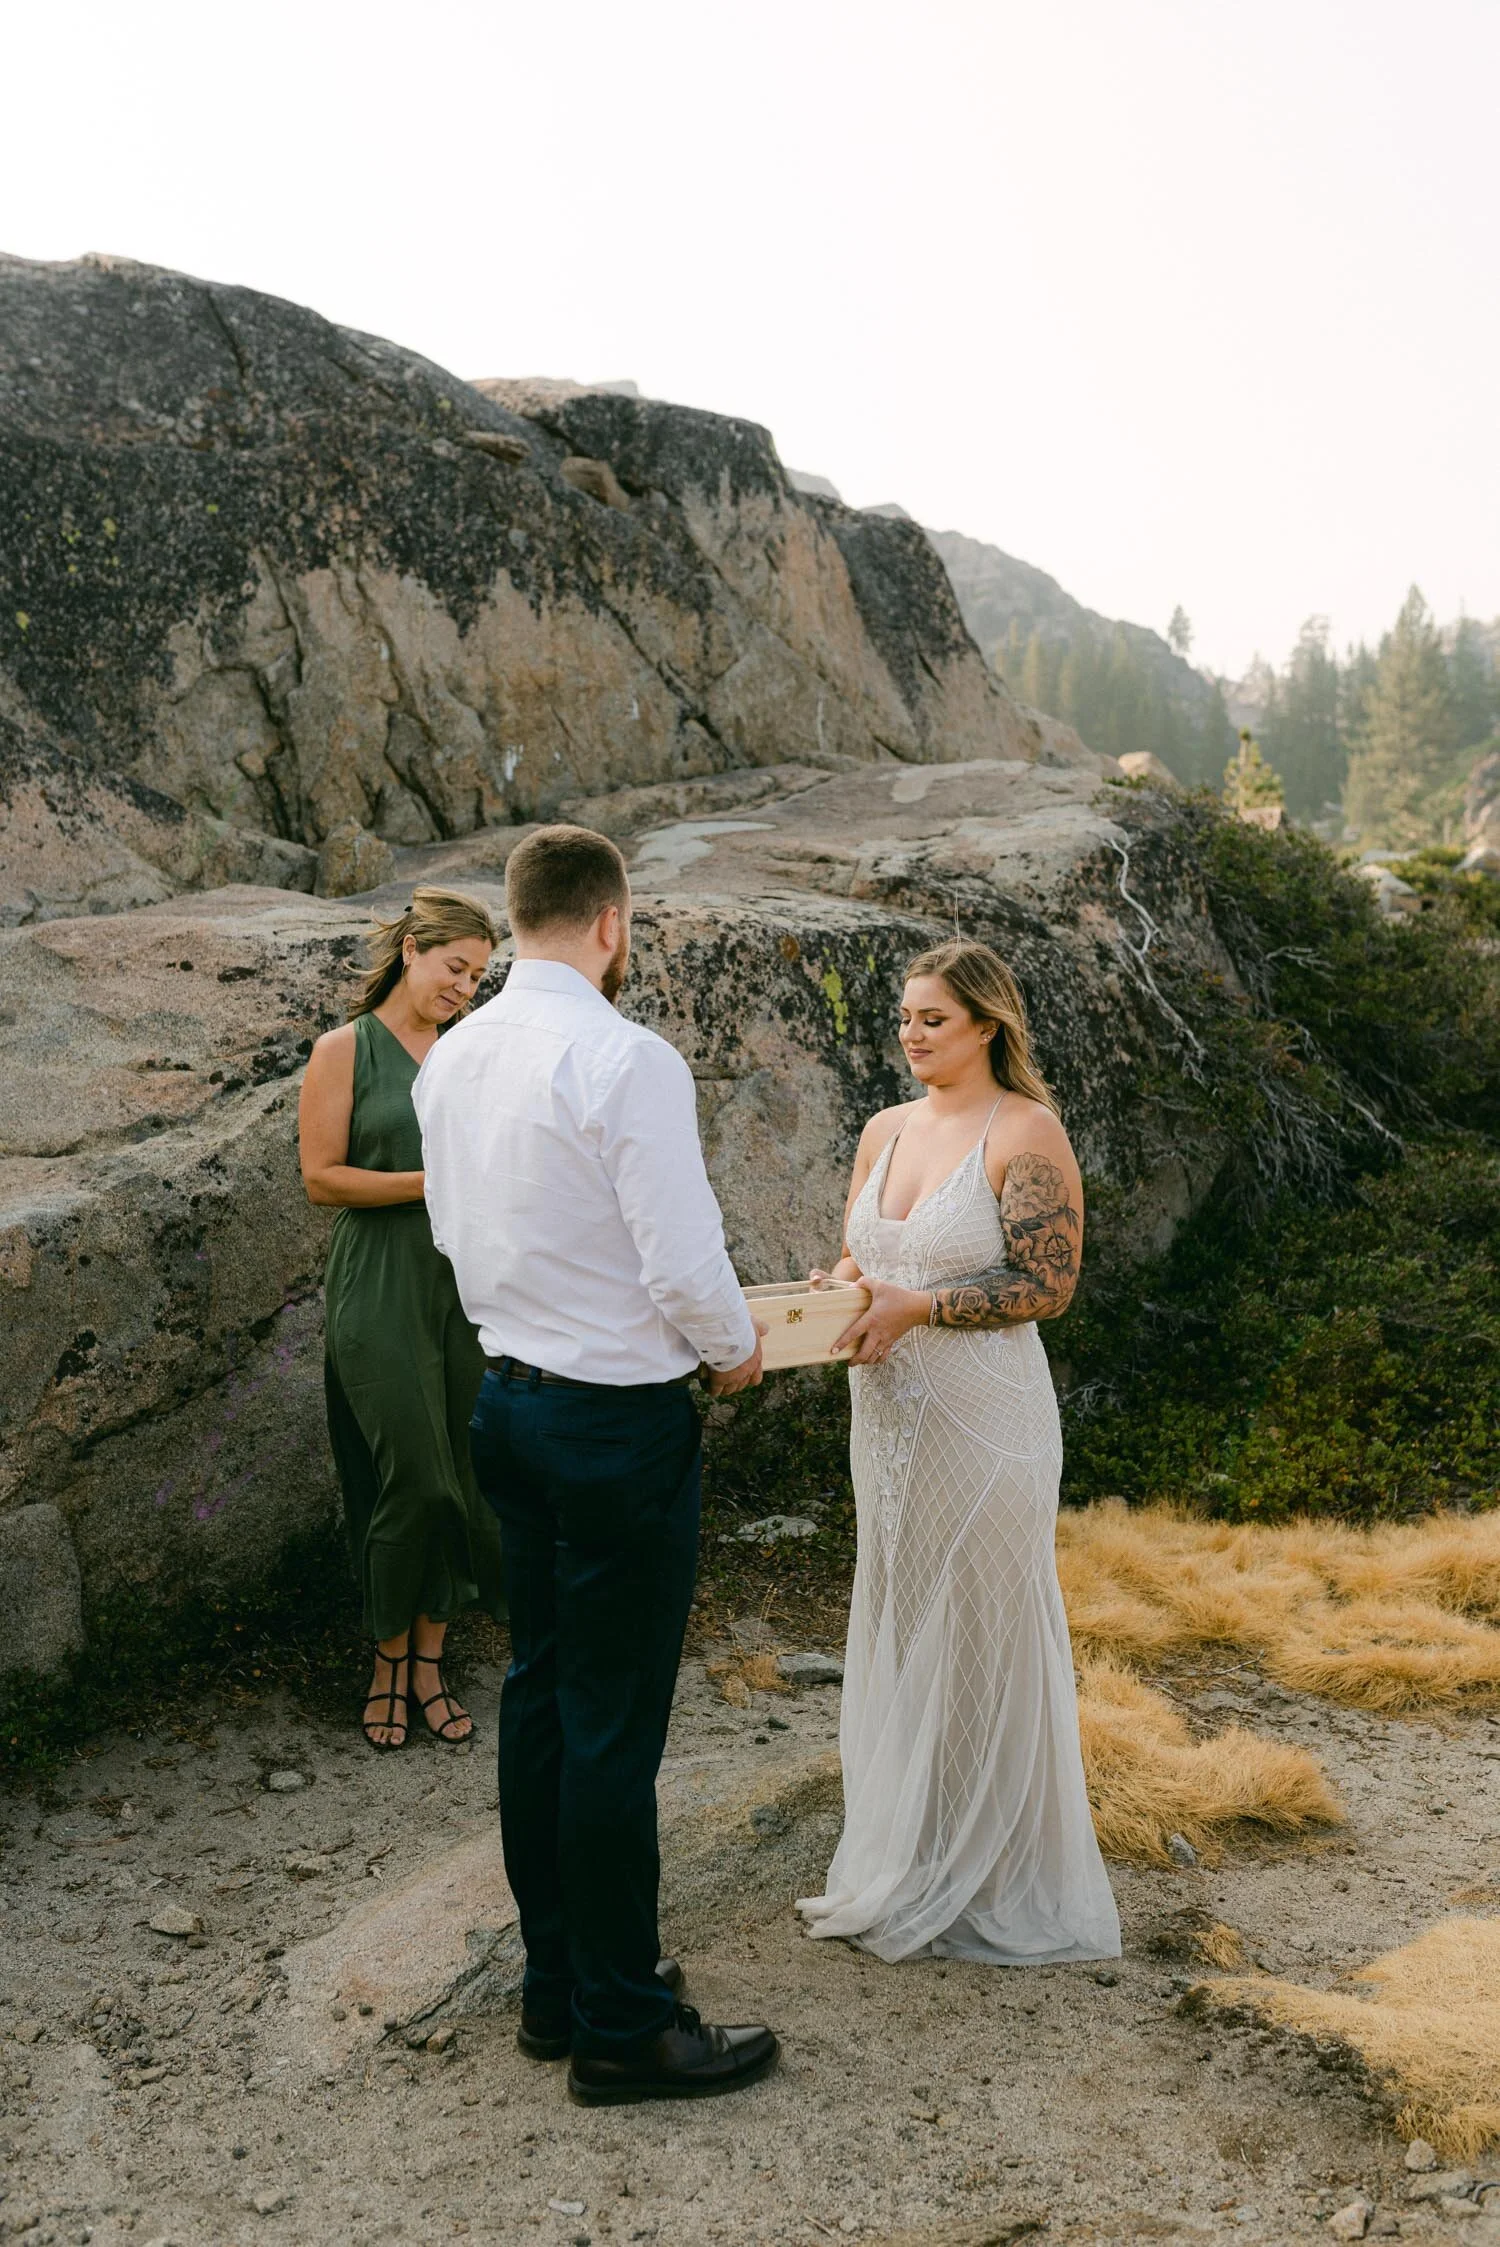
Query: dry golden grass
point(1194, 1937)
point(1221, 1946)
point(1430, 2031)
point(1148, 1778)
point(739, 1675)
point(1388, 1619)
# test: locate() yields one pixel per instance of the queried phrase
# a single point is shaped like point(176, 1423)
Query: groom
point(566, 1185)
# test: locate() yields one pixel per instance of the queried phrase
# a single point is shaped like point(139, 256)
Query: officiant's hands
point(893, 1311)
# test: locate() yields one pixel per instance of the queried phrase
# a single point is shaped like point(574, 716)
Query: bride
point(966, 1824)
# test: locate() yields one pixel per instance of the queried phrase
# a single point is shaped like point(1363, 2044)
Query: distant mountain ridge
point(995, 590)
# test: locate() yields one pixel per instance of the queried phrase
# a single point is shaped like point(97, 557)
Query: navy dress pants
point(597, 1495)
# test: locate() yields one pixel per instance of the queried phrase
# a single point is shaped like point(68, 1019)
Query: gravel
point(1079, 2095)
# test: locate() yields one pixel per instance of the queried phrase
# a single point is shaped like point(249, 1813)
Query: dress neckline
point(372, 1016)
point(883, 1167)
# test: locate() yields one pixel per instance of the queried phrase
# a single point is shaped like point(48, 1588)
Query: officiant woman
point(403, 1364)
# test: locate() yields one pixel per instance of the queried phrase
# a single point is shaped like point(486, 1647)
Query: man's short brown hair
point(563, 877)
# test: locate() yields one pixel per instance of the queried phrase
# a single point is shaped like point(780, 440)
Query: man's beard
point(612, 982)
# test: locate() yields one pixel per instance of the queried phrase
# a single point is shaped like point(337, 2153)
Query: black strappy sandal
point(440, 1732)
point(397, 1692)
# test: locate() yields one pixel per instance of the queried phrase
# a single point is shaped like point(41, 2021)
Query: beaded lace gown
point(967, 1831)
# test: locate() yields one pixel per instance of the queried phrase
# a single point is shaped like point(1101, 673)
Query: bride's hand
point(893, 1311)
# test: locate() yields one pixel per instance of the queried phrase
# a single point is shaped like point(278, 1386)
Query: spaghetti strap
point(984, 1136)
point(879, 1173)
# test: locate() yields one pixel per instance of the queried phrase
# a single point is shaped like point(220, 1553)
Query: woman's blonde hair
point(434, 916)
point(984, 986)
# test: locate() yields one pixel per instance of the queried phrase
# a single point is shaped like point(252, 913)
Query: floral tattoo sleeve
point(1043, 1235)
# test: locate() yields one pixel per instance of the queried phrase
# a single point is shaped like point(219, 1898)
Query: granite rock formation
point(74, 839)
point(41, 1592)
point(296, 613)
point(160, 1266)
point(282, 576)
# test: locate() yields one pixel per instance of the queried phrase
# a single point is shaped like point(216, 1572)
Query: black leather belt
point(515, 1369)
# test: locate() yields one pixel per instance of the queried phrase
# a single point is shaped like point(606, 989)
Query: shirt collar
point(552, 975)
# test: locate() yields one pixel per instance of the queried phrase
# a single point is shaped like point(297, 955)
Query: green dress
point(402, 1371)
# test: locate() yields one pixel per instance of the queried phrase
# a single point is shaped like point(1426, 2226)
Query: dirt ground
point(211, 2088)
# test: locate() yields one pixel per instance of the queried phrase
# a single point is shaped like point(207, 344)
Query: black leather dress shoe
point(688, 2060)
point(549, 2036)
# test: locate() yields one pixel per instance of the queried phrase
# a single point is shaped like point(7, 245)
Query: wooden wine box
point(803, 1321)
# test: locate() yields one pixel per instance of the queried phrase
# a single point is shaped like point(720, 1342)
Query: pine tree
point(1086, 688)
point(1010, 655)
point(1180, 632)
point(1106, 687)
point(1476, 701)
point(1408, 737)
point(1250, 784)
point(1039, 669)
point(1068, 701)
point(1356, 685)
point(1210, 737)
point(1301, 730)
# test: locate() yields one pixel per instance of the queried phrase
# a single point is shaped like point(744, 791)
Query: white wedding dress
point(967, 1831)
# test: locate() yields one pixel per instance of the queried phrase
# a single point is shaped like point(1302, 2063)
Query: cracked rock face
point(41, 1616)
point(295, 610)
point(76, 840)
point(275, 577)
point(160, 1266)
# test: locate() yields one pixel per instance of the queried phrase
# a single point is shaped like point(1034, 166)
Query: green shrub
point(1407, 1012)
point(1318, 1359)
point(1472, 899)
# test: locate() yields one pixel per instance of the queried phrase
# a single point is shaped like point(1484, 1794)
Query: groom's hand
point(748, 1374)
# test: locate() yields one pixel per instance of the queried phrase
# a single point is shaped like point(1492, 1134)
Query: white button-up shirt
point(566, 1186)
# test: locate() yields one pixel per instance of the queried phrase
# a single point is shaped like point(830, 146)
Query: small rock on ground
point(285, 1782)
point(1440, 2182)
point(1181, 1850)
point(1419, 2155)
point(811, 1669)
point(776, 1529)
point(1351, 2222)
point(172, 1919)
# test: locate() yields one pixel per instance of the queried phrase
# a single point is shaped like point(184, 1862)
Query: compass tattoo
point(1043, 1234)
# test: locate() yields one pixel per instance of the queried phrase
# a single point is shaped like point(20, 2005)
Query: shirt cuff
point(730, 1341)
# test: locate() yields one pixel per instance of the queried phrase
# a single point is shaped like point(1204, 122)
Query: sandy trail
point(225, 2088)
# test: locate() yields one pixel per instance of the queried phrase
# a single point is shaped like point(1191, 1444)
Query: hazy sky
point(1178, 300)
